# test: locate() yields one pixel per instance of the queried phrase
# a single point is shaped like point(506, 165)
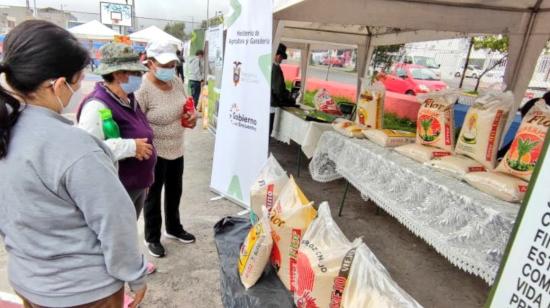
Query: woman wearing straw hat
point(121, 71)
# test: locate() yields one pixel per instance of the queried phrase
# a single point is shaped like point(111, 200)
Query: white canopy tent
point(152, 33)
point(93, 30)
point(368, 23)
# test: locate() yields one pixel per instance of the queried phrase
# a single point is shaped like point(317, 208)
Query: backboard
point(117, 14)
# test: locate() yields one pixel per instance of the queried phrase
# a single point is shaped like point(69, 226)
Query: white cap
point(163, 51)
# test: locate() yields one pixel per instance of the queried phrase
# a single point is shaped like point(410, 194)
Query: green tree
point(177, 29)
point(493, 43)
point(384, 56)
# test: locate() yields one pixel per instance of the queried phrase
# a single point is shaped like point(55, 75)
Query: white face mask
point(75, 99)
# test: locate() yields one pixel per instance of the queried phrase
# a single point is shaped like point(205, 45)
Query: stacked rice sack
point(435, 128)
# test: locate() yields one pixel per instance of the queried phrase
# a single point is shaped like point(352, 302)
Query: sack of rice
point(456, 165)
point(435, 122)
point(499, 185)
point(255, 251)
point(526, 148)
point(267, 187)
point(370, 106)
point(389, 137)
point(421, 153)
point(483, 128)
point(348, 128)
point(324, 102)
point(289, 220)
point(370, 285)
point(324, 261)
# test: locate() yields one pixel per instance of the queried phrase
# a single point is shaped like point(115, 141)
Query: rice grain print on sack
point(241, 146)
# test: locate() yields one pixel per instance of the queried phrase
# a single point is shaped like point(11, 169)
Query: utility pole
point(35, 11)
point(207, 13)
point(466, 63)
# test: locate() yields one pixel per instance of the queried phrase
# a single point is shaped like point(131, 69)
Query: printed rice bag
point(348, 128)
point(370, 106)
point(456, 165)
point(526, 148)
point(267, 187)
point(324, 261)
point(435, 122)
point(255, 251)
point(369, 285)
point(389, 137)
point(483, 128)
point(289, 220)
point(421, 153)
point(499, 185)
point(324, 102)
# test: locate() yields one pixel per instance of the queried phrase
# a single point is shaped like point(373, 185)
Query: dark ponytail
point(35, 51)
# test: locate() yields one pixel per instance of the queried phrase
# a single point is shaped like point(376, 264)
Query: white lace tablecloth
point(468, 227)
point(288, 126)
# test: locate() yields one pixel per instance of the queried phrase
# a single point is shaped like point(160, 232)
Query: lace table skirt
point(468, 227)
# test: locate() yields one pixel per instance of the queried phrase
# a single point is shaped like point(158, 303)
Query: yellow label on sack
point(398, 133)
point(248, 245)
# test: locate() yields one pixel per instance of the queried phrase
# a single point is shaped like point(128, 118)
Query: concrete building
point(11, 16)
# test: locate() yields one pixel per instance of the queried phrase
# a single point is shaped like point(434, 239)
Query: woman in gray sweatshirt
point(67, 223)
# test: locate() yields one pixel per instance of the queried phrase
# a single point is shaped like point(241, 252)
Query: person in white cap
point(161, 98)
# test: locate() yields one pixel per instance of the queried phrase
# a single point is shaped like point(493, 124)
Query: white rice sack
point(267, 187)
point(526, 148)
point(483, 128)
point(499, 185)
point(370, 285)
point(348, 128)
point(255, 252)
point(435, 122)
point(389, 137)
point(289, 220)
point(370, 106)
point(324, 262)
point(421, 153)
point(456, 165)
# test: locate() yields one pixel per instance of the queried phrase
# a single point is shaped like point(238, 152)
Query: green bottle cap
point(105, 114)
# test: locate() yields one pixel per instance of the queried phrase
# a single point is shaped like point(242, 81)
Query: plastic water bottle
point(110, 128)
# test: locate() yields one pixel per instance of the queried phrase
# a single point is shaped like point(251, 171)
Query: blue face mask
point(133, 84)
point(165, 74)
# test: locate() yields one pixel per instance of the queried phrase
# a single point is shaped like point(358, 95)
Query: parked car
point(412, 79)
point(334, 61)
point(471, 72)
point(424, 61)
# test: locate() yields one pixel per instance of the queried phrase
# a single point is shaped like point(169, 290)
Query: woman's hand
point(144, 150)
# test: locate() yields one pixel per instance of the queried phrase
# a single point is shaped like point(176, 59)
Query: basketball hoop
point(116, 17)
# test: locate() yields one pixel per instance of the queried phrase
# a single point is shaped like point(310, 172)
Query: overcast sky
point(166, 9)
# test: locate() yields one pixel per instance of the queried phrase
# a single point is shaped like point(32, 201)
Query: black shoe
point(156, 249)
point(184, 237)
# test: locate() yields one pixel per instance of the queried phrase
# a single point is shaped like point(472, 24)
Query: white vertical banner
point(243, 117)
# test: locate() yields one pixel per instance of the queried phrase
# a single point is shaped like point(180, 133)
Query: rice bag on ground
point(324, 261)
point(267, 187)
point(255, 251)
point(370, 285)
point(289, 220)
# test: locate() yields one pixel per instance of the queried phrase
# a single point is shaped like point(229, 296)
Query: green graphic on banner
point(236, 6)
point(213, 100)
point(197, 41)
point(234, 189)
point(265, 66)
